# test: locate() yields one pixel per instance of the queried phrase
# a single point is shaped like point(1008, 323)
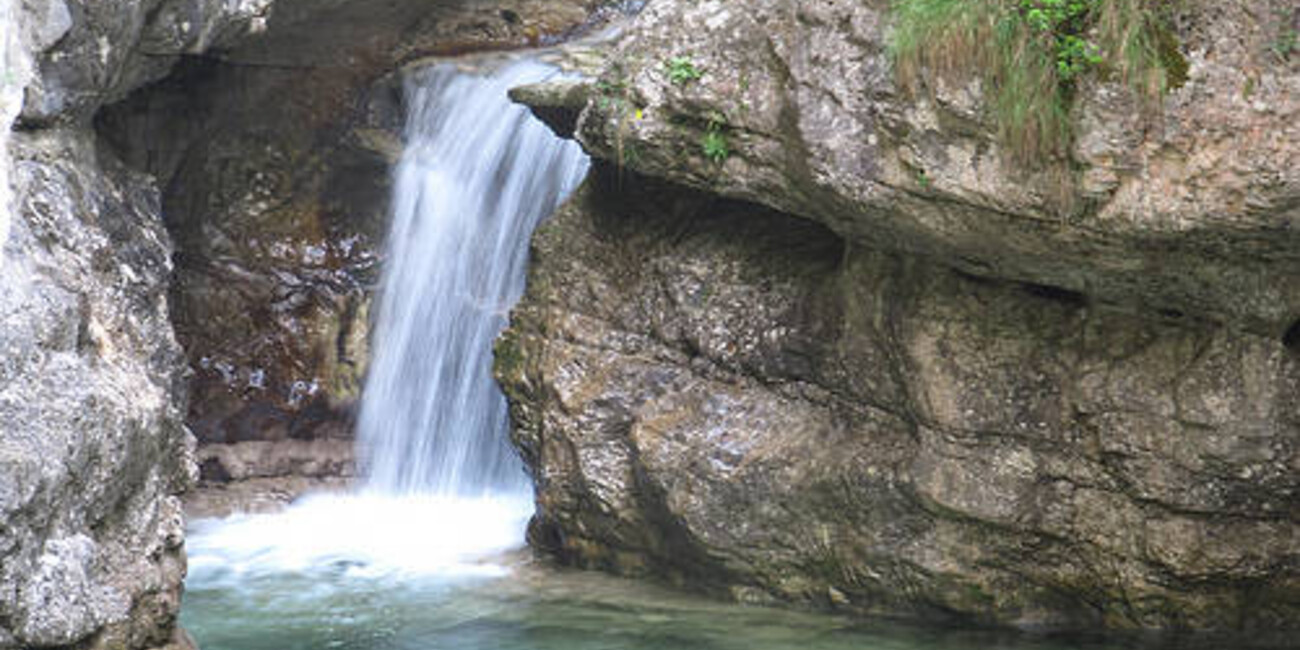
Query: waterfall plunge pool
point(375, 572)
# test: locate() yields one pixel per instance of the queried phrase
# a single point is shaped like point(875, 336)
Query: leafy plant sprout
point(681, 71)
point(714, 143)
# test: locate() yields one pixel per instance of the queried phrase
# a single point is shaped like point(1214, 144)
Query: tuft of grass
point(1030, 55)
point(714, 143)
point(715, 146)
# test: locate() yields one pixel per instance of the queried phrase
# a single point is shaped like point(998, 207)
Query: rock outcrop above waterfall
point(870, 363)
point(1191, 210)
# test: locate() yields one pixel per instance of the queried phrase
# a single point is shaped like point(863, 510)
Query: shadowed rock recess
point(274, 157)
point(864, 361)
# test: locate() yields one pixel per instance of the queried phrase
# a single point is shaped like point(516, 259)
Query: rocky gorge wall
point(739, 401)
point(865, 361)
point(862, 362)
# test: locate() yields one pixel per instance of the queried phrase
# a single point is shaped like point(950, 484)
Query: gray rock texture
point(740, 401)
point(1192, 210)
point(255, 136)
point(93, 452)
point(872, 363)
point(92, 448)
point(89, 53)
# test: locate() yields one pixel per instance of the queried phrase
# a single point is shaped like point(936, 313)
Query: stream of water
point(477, 175)
point(427, 552)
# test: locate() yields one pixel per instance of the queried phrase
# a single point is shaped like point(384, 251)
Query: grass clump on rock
point(1031, 54)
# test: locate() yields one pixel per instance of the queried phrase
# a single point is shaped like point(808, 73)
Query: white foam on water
point(363, 535)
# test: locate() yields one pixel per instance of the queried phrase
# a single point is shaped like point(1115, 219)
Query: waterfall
point(477, 174)
point(444, 491)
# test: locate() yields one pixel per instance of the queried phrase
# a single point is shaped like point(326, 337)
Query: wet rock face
point(1192, 211)
point(277, 214)
point(739, 401)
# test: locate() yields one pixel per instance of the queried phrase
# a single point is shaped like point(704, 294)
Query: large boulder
point(93, 452)
point(92, 447)
point(848, 350)
point(740, 401)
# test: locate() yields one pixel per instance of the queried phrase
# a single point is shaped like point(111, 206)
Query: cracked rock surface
point(1192, 210)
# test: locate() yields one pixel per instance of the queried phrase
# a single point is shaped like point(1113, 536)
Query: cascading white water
point(443, 488)
point(476, 176)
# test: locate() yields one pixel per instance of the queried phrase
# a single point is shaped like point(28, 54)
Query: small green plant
point(715, 146)
point(1060, 23)
point(714, 143)
point(681, 71)
point(611, 93)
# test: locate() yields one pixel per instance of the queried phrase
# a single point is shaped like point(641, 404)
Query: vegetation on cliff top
point(1030, 56)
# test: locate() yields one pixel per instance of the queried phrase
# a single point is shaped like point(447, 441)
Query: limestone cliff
point(869, 362)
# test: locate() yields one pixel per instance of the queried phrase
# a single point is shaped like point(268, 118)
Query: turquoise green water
point(529, 609)
point(365, 572)
point(537, 608)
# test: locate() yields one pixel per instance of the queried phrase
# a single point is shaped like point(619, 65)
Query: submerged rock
point(740, 401)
